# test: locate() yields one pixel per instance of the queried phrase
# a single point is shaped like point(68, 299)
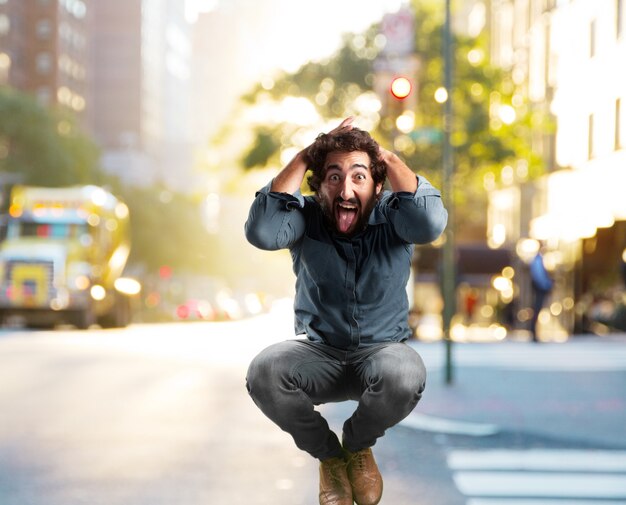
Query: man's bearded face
point(348, 192)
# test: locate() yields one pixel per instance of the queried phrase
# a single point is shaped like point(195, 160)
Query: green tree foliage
point(45, 147)
point(483, 142)
point(266, 145)
point(166, 229)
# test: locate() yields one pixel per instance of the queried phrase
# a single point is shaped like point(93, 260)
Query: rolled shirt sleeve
point(420, 217)
point(274, 220)
point(350, 291)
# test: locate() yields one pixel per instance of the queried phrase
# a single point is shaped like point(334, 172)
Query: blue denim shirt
point(350, 292)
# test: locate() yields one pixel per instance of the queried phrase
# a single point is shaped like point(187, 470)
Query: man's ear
point(379, 187)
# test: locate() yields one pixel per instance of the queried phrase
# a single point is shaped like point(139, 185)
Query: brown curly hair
point(354, 139)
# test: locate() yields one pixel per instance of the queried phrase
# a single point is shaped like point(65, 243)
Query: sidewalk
point(574, 391)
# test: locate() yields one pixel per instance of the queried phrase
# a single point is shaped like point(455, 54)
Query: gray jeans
point(288, 379)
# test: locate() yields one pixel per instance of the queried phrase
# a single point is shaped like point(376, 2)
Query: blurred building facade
point(45, 50)
point(219, 37)
point(566, 58)
point(141, 81)
point(123, 66)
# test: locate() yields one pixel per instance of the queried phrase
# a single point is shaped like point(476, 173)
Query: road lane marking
point(546, 485)
point(539, 476)
point(540, 460)
point(538, 501)
point(448, 426)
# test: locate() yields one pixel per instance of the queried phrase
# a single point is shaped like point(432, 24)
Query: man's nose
point(347, 190)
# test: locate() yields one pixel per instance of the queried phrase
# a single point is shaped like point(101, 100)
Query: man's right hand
point(346, 125)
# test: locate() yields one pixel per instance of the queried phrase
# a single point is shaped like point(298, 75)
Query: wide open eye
point(360, 178)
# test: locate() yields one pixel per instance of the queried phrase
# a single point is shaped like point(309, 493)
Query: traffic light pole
point(448, 270)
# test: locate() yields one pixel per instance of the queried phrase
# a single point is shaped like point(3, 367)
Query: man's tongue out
point(346, 217)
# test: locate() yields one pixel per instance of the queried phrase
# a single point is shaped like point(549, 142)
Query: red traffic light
point(401, 87)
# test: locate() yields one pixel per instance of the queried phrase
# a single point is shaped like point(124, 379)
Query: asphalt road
point(159, 414)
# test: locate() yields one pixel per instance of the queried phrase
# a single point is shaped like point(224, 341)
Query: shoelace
point(358, 460)
point(333, 471)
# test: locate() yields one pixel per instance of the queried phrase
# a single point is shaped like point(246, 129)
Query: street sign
point(399, 31)
point(426, 135)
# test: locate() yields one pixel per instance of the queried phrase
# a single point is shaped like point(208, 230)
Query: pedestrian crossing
point(539, 476)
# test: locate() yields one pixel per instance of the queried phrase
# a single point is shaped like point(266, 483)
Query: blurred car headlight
point(78, 274)
point(128, 286)
point(98, 293)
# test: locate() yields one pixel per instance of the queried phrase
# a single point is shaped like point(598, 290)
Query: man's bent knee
point(269, 369)
point(402, 368)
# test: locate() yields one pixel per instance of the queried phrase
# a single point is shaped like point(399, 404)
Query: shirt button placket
point(351, 294)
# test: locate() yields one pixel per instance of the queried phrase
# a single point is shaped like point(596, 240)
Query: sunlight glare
point(294, 110)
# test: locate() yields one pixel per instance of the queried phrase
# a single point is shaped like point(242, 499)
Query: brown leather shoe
point(367, 484)
point(335, 487)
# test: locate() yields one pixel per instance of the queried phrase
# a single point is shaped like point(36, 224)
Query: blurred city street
point(153, 157)
point(158, 414)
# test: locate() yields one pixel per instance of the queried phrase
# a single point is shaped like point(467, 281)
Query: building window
point(549, 5)
point(43, 63)
point(618, 124)
point(77, 8)
point(547, 58)
point(5, 24)
point(44, 29)
point(590, 146)
point(592, 39)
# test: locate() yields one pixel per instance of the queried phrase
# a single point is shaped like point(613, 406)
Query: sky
point(287, 33)
point(251, 39)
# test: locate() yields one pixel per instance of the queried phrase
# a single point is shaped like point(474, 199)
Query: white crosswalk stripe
point(540, 477)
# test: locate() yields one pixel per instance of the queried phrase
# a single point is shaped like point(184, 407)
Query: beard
point(332, 211)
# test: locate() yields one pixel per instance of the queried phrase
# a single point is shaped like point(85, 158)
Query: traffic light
point(401, 87)
point(397, 89)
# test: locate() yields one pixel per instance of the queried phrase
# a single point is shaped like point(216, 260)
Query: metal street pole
point(448, 267)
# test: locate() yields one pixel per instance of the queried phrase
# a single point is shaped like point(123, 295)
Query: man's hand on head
point(291, 176)
point(345, 125)
point(385, 155)
point(400, 176)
